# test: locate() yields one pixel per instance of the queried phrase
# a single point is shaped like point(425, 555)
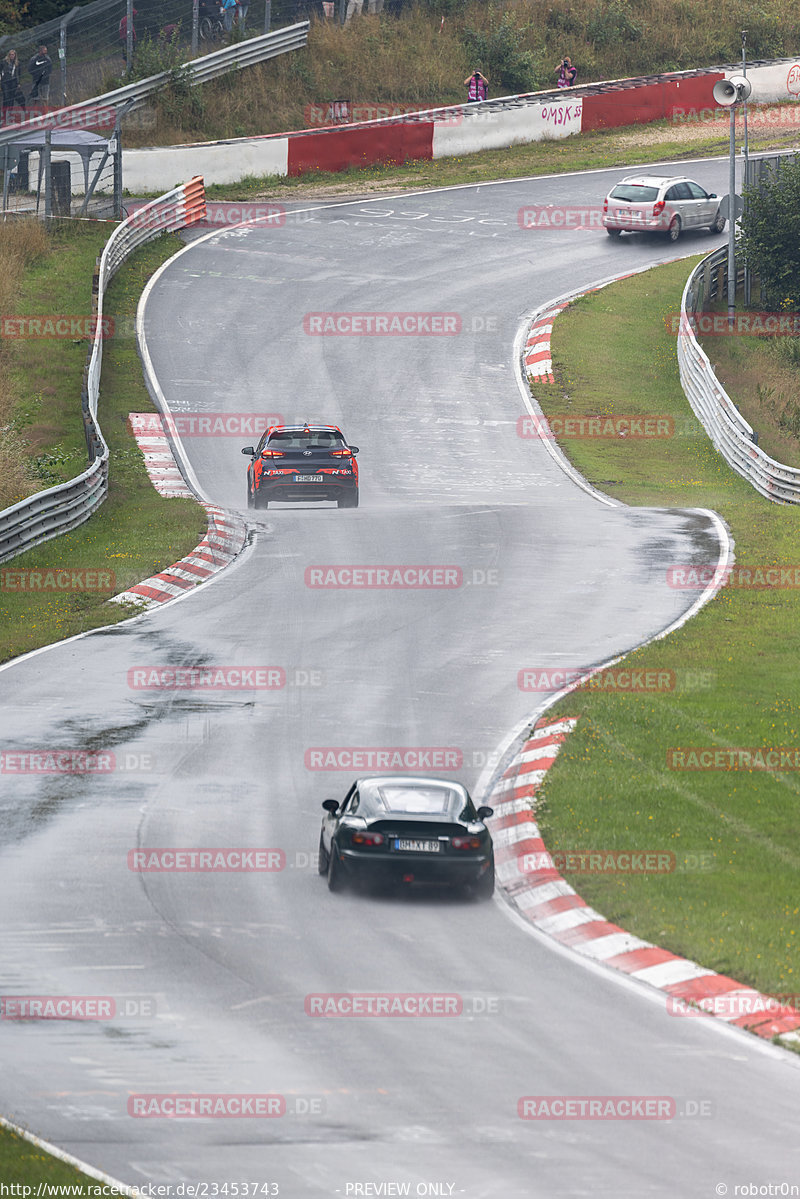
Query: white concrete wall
point(159, 170)
point(781, 81)
point(484, 129)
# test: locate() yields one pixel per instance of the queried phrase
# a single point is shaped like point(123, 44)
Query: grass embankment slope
point(732, 903)
point(136, 531)
point(21, 1162)
point(412, 59)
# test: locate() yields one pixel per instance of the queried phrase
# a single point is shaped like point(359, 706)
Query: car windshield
point(635, 193)
point(399, 799)
point(312, 438)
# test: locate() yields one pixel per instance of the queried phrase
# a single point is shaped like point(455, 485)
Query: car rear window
point(316, 437)
point(420, 801)
point(635, 193)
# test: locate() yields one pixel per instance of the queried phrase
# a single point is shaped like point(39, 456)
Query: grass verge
point(136, 532)
point(23, 1162)
point(731, 903)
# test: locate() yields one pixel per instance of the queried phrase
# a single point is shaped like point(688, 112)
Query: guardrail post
point(267, 15)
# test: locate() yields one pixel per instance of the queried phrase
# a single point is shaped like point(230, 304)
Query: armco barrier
point(730, 433)
point(456, 129)
point(50, 513)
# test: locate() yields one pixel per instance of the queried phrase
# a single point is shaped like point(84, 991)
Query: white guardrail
point(730, 433)
point(199, 70)
point(59, 509)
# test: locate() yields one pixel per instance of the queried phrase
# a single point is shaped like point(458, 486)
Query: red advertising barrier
point(359, 146)
point(648, 102)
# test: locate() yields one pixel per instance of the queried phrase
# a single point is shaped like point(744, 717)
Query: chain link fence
point(88, 46)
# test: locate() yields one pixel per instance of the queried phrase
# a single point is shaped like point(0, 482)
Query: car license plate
point(308, 479)
point(418, 846)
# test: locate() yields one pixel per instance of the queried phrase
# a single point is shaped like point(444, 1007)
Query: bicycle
point(212, 27)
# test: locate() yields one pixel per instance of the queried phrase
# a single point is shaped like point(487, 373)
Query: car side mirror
point(250, 449)
point(353, 449)
point(331, 805)
point(484, 813)
point(712, 195)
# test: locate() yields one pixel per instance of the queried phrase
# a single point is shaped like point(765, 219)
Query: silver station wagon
point(661, 204)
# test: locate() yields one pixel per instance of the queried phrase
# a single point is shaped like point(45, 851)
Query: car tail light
point(368, 839)
point(605, 207)
point(465, 842)
point(341, 454)
point(272, 454)
point(658, 207)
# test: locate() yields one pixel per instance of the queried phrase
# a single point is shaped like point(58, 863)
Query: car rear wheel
point(336, 879)
point(260, 501)
point(674, 230)
point(719, 224)
point(348, 501)
point(614, 232)
point(484, 888)
point(322, 861)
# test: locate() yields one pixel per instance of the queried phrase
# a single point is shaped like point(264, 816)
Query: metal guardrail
point(730, 433)
point(199, 70)
point(59, 509)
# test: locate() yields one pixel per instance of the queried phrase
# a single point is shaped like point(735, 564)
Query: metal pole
point(117, 164)
point(744, 73)
point(267, 15)
point(342, 11)
point(48, 194)
point(732, 220)
point(195, 24)
point(5, 180)
point(62, 56)
point(129, 35)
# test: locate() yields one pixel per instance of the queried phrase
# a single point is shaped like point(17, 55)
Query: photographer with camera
point(567, 74)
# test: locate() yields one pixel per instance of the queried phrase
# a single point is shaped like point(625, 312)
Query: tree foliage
point(769, 235)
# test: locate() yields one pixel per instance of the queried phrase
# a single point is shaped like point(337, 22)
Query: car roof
point(656, 180)
point(409, 780)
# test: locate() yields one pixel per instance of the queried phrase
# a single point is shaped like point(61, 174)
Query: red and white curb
point(224, 539)
point(539, 894)
point(538, 356)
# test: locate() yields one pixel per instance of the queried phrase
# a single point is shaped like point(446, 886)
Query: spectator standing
point(9, 80)
point(354, 9)
point(40, 68)
point(567, 74)
point(228, 12)
point(477, 87)
point(241, 15)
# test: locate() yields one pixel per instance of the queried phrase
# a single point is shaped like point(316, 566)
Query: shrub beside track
point(731, 902)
